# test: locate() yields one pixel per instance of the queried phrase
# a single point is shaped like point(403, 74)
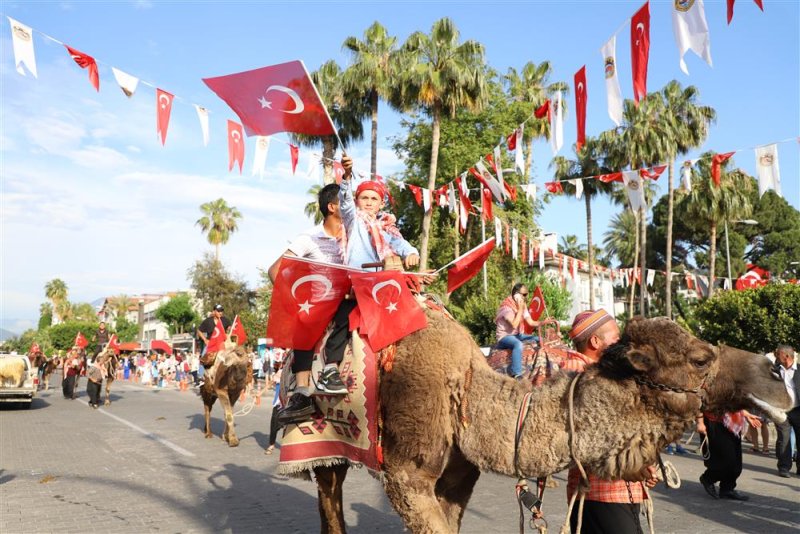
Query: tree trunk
point(670, 203)
point(216, 253)
point(635, 262)
point(328, 152)
point(588, 200)
point(712, 259)
point(643, 262)
point(373, 169)
point(426, 218)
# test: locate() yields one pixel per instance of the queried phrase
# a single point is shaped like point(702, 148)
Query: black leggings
point(725, 456)
point(334, 346)
point(93, 390)
point(607, 518)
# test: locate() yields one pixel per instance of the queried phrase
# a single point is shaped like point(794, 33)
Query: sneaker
point(784, 474)
point(733, 495)
point(331, 382)
point(670, 449)
point(298, 409)
point(680, 450)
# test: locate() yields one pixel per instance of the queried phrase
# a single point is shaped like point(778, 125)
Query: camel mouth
point(776, 414)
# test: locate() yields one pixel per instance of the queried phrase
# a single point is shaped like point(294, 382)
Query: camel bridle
point(675, 389)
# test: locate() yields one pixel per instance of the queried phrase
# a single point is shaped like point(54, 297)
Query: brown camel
point(110, 373)
point(644, 394)
point(229, 375)
point(51, 365)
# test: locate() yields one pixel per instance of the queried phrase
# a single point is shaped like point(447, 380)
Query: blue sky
point(90, 195)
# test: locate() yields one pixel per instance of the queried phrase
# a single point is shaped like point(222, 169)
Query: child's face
point(369, 201)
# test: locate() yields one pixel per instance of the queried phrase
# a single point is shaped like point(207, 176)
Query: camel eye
point(700, 363)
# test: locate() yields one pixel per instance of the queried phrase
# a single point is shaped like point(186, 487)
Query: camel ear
point(642, 358)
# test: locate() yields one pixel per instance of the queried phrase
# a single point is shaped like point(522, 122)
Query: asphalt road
point(143, 465)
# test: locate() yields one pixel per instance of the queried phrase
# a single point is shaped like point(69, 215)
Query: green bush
point(62, 336)
point(756, 320)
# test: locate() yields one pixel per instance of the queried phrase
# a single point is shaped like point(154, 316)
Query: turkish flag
point(554, 187)
point(80, 341)
point(85, 61)
point(537, 306)
point(654, 174)
point(237, 330)
point(512, 191)
point(113, 343)
point(235, 145)
point(543, 111)
point(608, 178)
point(163, 111)
point(716, 163)
point(217, 340)
point(580, 105)
point(387, 308)
point(754, 277)
point(467, 265)
point(338, 171)
point(417, 192)
point(273, 99)
point(640, 50)
point(304, 299)
point(511, 141)
point(486, 204)
point(294, 152)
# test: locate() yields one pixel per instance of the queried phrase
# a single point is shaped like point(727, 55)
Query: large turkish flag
point(278, 98)
point(468, 265)
point(640, 50)
point(304, 300)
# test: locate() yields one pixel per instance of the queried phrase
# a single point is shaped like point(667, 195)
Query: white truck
point(19, 380)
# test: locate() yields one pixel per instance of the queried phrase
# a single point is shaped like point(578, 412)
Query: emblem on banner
point(684, 5)
point(21, 33)
point(610, 67)
point(766, 160)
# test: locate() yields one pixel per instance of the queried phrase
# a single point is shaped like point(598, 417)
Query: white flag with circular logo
point(769, 175)
point(612, 80)
point(635, 186)
point(691, 30)
point(22, 41)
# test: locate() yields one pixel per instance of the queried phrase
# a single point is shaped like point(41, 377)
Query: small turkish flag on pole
point(113, 343)
point(217, 340)
point(273, 99)
point(85, 61)
point(537, 306)
point(235, 145)
point(163, 111)
point(467, 265)
point(580, 105)
point(640, 50)
point(237, 331)
point(81, 341)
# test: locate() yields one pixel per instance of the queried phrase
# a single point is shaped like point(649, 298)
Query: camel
point(229, 375)
point(449, 416)
point(110, 373)
point(51, 365)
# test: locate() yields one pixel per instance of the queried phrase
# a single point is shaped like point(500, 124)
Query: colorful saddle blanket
point(344, 428)
point(539, 363)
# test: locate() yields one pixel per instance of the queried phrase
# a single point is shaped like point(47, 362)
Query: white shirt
point(788, 380)
point(315, 244)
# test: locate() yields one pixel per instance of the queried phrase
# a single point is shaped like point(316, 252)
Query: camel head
point(746, 380)
point(670, 365)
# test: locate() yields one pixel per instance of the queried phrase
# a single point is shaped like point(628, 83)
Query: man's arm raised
point(272, 272)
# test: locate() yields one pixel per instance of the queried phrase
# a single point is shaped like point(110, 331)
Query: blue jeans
point(514, 343)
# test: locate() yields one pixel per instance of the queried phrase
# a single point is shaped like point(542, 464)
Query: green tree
point(775, 240)
point(312, 208)
point(570, 246)
point(126, 330)
point(447, 76)
point(218, 222)
point(83, 311)
point(375, 68)
point(620, 237)
point(120, 304)
point(45, 315)
point(56, 291)
point(214, 285)
point(62, 336)
point(178, 313)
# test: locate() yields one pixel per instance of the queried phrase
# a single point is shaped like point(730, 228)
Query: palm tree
point(715, 205)
point(219, 222)
point(531, 86)
point(56, 291)
point(374, 70)
point(120, 305)
point(689, 123)
point(347, 109)
point(569, 246)
point(620, 237)
point(446, 76)
point(312, 208)
point(46, 310)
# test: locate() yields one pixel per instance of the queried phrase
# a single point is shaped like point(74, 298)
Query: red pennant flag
point(417, 192)
point(163, 111)
point(217, 340)
point(295, 154)
point(640, 50)
point(81, 341)
point(524, 248)
point(608, 178)
point(654, 174)
point(554, 187)
point(537, 306)
point(237, 331)
point(467, 265)
point(305, 297)
point(388, 310)
point(85, 61)
point(730, 8)
point(580, 105)
point(716, 162)
point(543, 111)
point(113, 343)
point(512, 190)
point(508, 241)
point(338, 171)
point(511, 141)
point(278, 98)
point(235, 145)
point(486, 204)
point(489, 182)
point(491, 161)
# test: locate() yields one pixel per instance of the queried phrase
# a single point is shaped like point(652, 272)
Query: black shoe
point(709, 487)
point(299, 408)
point(784, 474)
point(331, 382)
point(733, 495)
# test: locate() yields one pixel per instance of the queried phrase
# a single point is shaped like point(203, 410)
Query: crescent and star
point(306, 306)
point(392, 307)
point(163, 100)
point(298, 102)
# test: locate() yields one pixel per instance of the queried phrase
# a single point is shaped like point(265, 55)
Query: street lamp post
point(727, 245)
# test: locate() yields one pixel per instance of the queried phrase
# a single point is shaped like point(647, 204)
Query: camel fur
point(109, 371)
point(228, 377)
point(12, 372)
point(442, 429)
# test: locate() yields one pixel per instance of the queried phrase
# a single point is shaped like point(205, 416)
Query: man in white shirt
point(786, 366)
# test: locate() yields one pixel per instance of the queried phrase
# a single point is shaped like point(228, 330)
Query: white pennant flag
point(499, 164)
point(126, 82)
point(686, 175)
point(530, 253)
point(651, 276)
point(498, 233)
point(260, 156)
point(557, 125)
point(578, 183)
point(691, 30)
point(769, 174)
point(202, 114)
point(530, 191)
point(564, 267)
point(426, 200)
point(541, 258)
point(635, 187)
point(519, 156)
point(574, 268)
point(498, 191)
point(613, 91)
point(22, 40)
point(514, 243)
point(451, 197)
point(314, 164)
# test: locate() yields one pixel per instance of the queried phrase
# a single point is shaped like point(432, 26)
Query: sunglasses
point(524, 294)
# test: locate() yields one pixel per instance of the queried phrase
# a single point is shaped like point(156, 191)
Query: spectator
point(786, 366)
point(95, 380)
point(723, 452)
point(274, 423)
point(510, 316)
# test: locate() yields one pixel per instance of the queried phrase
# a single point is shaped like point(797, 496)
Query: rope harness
point(525, 498)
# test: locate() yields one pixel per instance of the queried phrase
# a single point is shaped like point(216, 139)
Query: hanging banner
point(126, 82)
point(202, 115)
point(260, 156)
point(613, 90)
point(22, 42)
point(580, 106)
point(691, 30)
point(640, 50)
point(769, 174)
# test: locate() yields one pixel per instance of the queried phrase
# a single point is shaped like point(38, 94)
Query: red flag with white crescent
point(468, 265)
point(537, 307)
point(163, 111)
point(217, 340)
point(113, 343)
point(580, 105)
point(338, 171)
point(295, 154)
point(640, 50)
point(543, 111)
point(85, 61)
point(235, 145)
point(237, 330)
point(81, 341)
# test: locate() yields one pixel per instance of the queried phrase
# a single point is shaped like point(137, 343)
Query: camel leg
point(230, 433)
point(108, 392)
point(329, 498)
point(207, 405)
point(454, 488)
point(411, 490)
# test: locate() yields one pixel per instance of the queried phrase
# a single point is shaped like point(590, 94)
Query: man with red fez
point(611, 505)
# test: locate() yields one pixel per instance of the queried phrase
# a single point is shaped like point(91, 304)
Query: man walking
point(786, 367)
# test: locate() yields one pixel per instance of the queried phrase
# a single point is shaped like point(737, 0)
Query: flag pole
point(440, 269)
point(325, 107)
point(483, 237)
